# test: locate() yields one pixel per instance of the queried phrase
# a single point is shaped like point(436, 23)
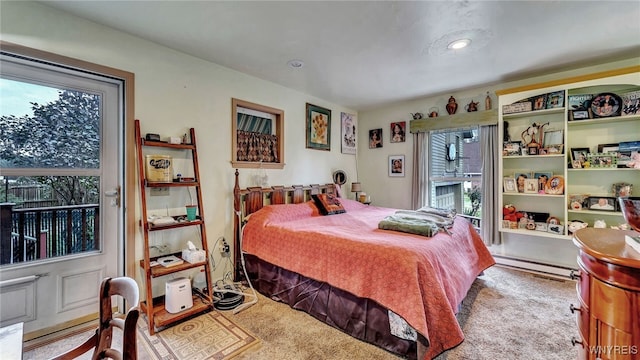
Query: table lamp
point(356, 187)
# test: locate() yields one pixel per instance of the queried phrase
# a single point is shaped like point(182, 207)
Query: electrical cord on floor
point(233, 288)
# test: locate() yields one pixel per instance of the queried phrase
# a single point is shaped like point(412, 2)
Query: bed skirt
point(359, 317)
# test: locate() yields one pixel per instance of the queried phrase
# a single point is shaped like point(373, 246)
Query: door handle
point(114, 195)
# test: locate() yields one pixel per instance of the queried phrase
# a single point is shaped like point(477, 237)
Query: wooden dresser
point(608, 313)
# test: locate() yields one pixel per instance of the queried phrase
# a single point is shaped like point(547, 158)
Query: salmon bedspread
point(422, 279)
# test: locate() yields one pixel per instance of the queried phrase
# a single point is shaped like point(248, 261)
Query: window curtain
point(490, 182)
point(420, 180)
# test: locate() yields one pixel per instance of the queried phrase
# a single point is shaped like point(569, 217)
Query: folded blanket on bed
point(416, 222)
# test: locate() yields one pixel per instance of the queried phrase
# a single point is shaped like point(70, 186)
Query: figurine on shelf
point(472, 106)
point(452, 106)
point(417, 116)
point(487, 102)
point(433, 112)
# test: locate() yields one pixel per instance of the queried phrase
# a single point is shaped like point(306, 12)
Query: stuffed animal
point(635, 160)
point(509, 213)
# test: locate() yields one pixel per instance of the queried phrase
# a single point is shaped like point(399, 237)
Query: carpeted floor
point(508, 314)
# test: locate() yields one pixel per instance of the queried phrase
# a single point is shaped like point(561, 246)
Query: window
point(257, 136)
point(455, 172)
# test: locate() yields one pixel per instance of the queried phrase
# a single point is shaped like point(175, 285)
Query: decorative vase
point(452, 106)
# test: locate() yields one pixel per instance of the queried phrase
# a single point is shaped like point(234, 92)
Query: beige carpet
point(211, 336)
point(507, 314)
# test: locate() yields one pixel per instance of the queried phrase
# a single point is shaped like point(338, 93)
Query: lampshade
point(356, 187)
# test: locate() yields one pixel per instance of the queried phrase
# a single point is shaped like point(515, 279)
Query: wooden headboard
point(249, 200)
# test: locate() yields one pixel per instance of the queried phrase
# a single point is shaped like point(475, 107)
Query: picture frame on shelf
point(512, 148)
point(556, 229)
point(553, 137)
point(553, 149)
point(530, 186)
point(318, 129)
point(601, 160)
point(520, 180)
point(542, 178)
point(539, 102)
point(608, 148)
point(510, 186)
point(630, 103)
point(602, 203)
point(621, 189)
point(396, 165)
point(555, 185)
point(555, 99)
point(606, 105)
point(576, 164)
point(576, 115)
point(578, 202)
point(580, 154)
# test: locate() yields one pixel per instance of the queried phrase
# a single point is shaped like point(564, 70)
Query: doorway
point(62, 172)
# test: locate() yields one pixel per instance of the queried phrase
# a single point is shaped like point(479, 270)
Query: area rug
point(211, 336)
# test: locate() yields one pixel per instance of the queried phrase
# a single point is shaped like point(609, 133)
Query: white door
point(61, 164)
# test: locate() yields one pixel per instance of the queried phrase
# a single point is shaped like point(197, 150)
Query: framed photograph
point(553, 137)
point(396, 165)
point(530, 186)
point(580, 155)
point(348, 133)
point(555, 185)
point(602, 203)
point(512, 148)
point(540, 226)
point(599, 160)
point(575, 115)
point(553, 149)
point(578, 201)
point(318, 128)
point(556, 228)
point(510, 185)
point(576, 164)
point(542, 178)
point(607, 148)
point(375, 138)
point(520, 180)
point(539, 102)
point(622, 189)
point(398, 131)
point(555, 99)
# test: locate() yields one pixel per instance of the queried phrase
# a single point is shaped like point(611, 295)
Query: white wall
point(174, 91)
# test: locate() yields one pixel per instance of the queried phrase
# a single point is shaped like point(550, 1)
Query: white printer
point(178, 295)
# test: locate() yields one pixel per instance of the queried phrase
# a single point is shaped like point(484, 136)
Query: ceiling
point(362, 54)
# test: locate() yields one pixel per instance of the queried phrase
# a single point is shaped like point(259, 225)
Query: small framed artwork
point(398, 131)
point(539, 102)
point(579, 154)
point(542, 178)
point(602, 203)
point(606, 105)
point(622, 189)
point(555, 185)
point(520, 180)
point(511, 148)
point(530, 186)
point(555, 99)
point(510, 185)
point(375, 138)
point(396, 165)
point(575, 115)
point(348, 133)
point(556, 228)
point(318, 131)
point(553, 137)
point(603, 160)
point(554, 149)
point(608, 148)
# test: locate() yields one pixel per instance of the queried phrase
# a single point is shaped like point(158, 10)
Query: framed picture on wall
point(375, 138)
point(396, 165)
point(318, 131)
point(398, 131)
point(348, 133)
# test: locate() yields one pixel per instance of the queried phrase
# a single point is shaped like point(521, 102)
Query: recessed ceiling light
point(459, 44)
point(296, 64)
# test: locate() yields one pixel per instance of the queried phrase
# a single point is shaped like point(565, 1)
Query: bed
point(396, 290)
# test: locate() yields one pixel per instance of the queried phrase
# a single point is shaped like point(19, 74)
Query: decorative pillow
point(328, 204)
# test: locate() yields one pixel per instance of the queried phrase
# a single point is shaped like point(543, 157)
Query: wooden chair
point(101, 340)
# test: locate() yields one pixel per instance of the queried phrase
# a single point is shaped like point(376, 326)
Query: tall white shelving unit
point(555, 252)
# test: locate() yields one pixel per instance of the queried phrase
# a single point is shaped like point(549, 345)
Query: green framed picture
point(318, 129)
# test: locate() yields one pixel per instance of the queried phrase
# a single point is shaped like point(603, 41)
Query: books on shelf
point(169, 261)
point(633, 242)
